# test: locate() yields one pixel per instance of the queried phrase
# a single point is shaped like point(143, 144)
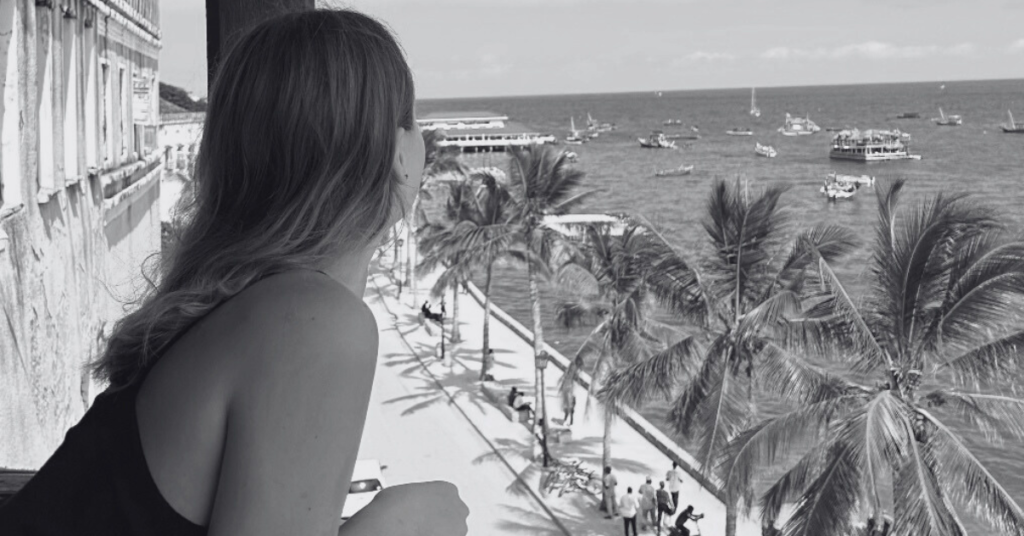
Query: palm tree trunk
point(606, 446)
point(540, 420)
point(455, 312)
point(730, 516)
point(485, 361)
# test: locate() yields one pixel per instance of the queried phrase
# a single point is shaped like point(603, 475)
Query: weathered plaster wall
point(66, 259)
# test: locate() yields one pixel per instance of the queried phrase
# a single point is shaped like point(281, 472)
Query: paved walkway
point(634, 457)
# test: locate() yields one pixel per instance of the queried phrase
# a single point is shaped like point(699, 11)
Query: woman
point(239, 388)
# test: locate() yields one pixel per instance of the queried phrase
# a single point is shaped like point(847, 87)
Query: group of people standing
point(653, 506)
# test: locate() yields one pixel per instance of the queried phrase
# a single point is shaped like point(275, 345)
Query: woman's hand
point(418, 509)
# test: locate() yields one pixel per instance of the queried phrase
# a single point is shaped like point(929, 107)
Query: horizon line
point(640, 91)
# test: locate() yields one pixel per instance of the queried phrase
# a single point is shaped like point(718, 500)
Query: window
point(45, 100)
point(126, 125)
point(107, 115)
point(10, 135)
point(92, 148)
point(70, 81)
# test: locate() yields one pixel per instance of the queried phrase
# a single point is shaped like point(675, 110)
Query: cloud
point(700, 55)
point(872, 50)
point(1017, 46)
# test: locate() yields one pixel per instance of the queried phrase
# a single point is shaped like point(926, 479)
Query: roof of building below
point(168, 107)
point(477, 115)
point(510, 128)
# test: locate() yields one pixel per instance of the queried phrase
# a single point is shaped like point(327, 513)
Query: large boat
point(677, 172)
point(871, 146)
point(575, 137)
point(754, 110)
point(1012, 127)
point(796, 126)
point(739, 132)
point(656, 140)
point(947, 120)
point(594, 126)
point(765, 150)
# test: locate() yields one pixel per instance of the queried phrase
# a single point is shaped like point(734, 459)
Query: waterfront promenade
point(429, 419)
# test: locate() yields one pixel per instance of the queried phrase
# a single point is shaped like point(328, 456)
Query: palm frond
point(791, 485)
point(826, 505)
point(870, 355)
point(641, 382)
point(997, 416)
point(921, 506)
point(794, 378)
point(971, 483)
point(831, 242)
point(758, 447)
point(989, 361)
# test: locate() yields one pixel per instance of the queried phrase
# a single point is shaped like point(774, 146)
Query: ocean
point(976, 157)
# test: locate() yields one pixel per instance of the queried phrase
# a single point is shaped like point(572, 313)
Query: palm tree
point(938, 332)
point(604, 283)
point(733, 300)
point(474, 235)
point(542, 182)
point(439, 159)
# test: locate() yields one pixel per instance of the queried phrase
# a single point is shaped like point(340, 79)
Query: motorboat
point(594, 126)
point(679, 171)
point(765, 150)
point(754, 110)
point(797, 126)
point(572, 156)
point(909, 115)
point(838, 190)
point(871, 146)
point(672, 122)
point(1012, 127)
point(682, 136)
point(739, 132)
point(656, 140)
point(859, 180)
point(947, 120)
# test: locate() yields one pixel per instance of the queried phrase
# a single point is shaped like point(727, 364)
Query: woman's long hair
point(295, 167)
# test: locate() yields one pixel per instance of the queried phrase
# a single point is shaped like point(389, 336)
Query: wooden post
point(227, 19)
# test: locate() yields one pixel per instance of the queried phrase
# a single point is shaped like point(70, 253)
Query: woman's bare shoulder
point(303, 315)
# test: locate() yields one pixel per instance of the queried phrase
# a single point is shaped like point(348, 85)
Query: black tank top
point(97, 483)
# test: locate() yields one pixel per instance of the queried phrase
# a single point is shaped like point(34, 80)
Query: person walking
point(675, 483)
point(628, 506)
point(610, 482)
point(569, 407)
point(648, 505)
point(665, 505)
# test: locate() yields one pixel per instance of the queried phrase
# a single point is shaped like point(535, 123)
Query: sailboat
point(574, 137)
point(947, 120)
point(754, 110)
point(1012, 127)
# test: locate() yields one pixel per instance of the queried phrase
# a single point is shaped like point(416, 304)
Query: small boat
point(672, 122)
point(796, 126)
point(656, 140)
point(739, 132)
point(754, 110)
point(594, 126)
point(838, 190)
point(677, 172)
point(572, 156)
point(695, 128)
point(859, 180)
point(947, 120)
point(909, 115)
point(1012, 127)
point(575, 137)
point(765, 150)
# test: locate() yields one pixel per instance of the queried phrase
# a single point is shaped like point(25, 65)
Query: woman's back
point(146, 459)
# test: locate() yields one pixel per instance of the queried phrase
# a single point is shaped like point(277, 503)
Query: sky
point(480, 48)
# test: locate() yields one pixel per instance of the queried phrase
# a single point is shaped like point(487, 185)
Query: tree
point(939, 330)
point(474, 236)
point(733, 300)
point(605, 284)
point(542, 182)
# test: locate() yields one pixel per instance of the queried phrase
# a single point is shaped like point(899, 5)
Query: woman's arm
point(296, 416)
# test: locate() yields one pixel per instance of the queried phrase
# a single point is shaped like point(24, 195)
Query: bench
point(498, 394)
